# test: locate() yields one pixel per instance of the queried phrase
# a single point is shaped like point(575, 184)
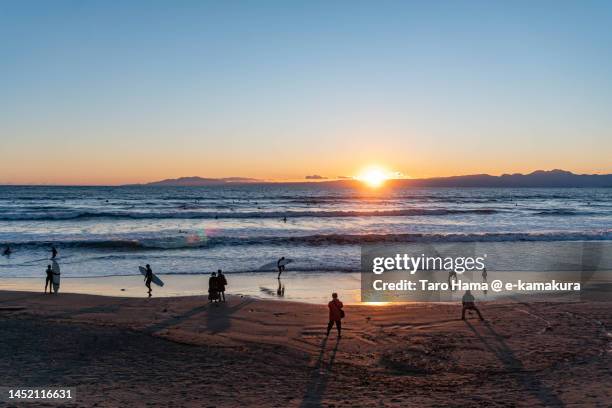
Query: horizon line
point(305, 180)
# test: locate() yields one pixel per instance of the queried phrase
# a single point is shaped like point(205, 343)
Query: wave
point(118, 215)
point(299, 269)
point(188, 242)
point(564, 212)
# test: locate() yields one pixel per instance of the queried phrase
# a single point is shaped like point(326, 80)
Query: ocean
point(109, 231)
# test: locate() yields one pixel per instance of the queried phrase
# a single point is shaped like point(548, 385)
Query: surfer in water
point(148, 278)
point(7, 251)
point(53, 252)
point(221, 283)
point(49, 279)
point(281, 266)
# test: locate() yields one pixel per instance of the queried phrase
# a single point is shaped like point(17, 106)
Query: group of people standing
point(50, 273)
point(216, 287)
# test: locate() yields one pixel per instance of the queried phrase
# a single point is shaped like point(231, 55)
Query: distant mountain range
point(540, 178)
point(200, 181)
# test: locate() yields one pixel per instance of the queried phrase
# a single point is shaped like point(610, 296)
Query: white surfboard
point(155, 279)
point(273, 266)
point(56, 276)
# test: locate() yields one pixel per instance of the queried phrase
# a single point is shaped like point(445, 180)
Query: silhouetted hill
point(200, 181)
point(540, 178)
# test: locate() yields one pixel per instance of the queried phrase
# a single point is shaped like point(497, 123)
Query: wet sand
point(249, 352)
point(299, 287)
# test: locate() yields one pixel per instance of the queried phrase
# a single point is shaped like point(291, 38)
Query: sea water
point(110, 231)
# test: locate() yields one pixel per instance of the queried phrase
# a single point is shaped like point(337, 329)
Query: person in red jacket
point(335, 314)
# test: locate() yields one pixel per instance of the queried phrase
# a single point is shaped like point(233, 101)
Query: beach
point(182, 351)
point(267, 346)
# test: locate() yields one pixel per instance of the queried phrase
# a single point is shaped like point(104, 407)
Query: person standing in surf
point(281, 266)
point(49, 279)
point(336, 314)
point(53, 252)
point(7, 251)
point(148, 278)
point(221, 283)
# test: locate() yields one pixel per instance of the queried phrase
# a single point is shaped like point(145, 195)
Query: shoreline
point(295, 286)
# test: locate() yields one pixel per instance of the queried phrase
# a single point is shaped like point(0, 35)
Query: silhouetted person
point(484, 274)
point(148, 278)
point(335, 314)
point(451, 275)
point(49, 279)
point(468, 304)
point(213, 292)
point(281, 267)
point(284, 219)
point(53, 252)
point(7, 251)
point(221, 283)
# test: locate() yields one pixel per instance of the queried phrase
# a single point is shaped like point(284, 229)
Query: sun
point(373, 176)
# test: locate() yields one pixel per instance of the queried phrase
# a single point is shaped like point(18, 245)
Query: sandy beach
point(181, 351)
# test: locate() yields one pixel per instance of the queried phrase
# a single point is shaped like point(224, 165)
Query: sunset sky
point(121, 92)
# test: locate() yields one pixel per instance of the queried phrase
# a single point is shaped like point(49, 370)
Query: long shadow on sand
point(18, 298)
point(319, 377)
point(505, 354)
point(88, 310)
point(173, 321)
point(218, 316)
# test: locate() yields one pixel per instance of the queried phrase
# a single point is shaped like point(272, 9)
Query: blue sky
point(113, 92)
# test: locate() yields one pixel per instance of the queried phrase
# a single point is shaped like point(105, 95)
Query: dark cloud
point(315, 177)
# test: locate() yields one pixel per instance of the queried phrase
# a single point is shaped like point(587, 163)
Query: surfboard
point(155, 279)
point(273, 266)
point(56, 276)
point(285, 262)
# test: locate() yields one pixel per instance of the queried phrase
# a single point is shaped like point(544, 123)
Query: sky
point(99, 92)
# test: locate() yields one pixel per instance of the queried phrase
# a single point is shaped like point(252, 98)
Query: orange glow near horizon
point(121, 166)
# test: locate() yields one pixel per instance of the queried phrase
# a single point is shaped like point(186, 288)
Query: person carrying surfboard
point(281, 266)
point(49, 279)
point(148, 278)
